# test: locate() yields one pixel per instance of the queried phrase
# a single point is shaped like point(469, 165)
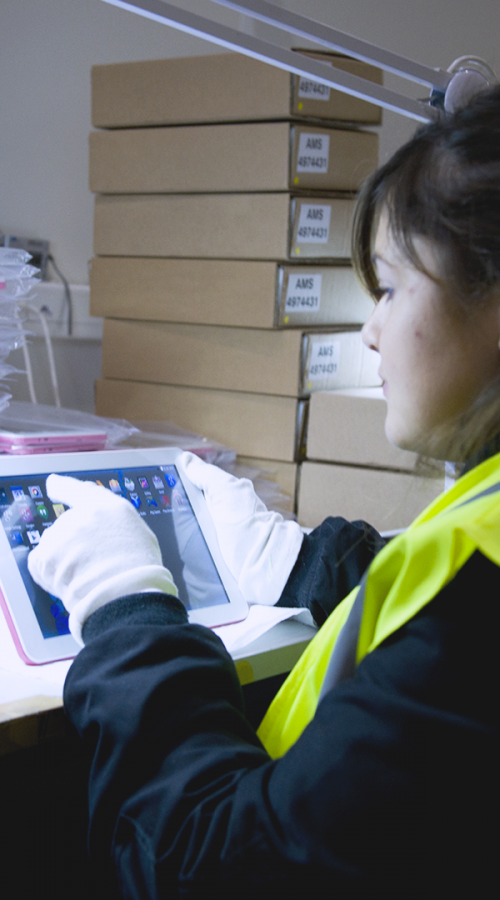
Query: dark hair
point(443, 185)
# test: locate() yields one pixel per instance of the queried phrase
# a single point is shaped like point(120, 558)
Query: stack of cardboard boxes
point(352, 470)
point(222, 238)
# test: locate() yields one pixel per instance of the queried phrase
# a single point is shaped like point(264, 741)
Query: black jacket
point(391, 790)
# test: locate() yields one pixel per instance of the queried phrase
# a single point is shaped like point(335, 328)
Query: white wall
point(48, 46)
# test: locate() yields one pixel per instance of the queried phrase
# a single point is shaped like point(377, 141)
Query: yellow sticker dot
point(301, 106)
point(309, 384)
point(286, 320)
point(244, 672)
point(296, 180)
point(297, 250)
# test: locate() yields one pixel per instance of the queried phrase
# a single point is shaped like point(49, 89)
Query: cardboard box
point(336, 360)
point(256, 425)
point(240, 293)
point(223, 226)
point(262, 156)
point(238, 359)
point(348, 427)
point(226, 87)
point(387, 500)
point(321, 295)
point(284, 474)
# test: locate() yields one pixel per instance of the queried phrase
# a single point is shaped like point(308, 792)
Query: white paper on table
point(259, 620)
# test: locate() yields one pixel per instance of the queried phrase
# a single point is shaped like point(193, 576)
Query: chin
point(399, 439)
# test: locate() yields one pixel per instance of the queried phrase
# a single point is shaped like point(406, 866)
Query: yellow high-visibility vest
point(405, 576)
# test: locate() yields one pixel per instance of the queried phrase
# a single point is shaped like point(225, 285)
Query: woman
point(377, 765)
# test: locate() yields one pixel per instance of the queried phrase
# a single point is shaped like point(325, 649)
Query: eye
point(384, 293)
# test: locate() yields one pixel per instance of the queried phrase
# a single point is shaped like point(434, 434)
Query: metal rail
point(297, 63)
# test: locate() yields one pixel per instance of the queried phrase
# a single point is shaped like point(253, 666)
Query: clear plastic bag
point(20, 415)
point(11, 288)
point(23, 271)
point(12, 256)
point(17, 279)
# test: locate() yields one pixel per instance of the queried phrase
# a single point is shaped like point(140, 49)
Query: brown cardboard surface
point(208, 292)
point(238, 359)
point(257, 425)
point(283, 473)
point(387, 500)
point(215, 88)
point(260, 156)
point(348, 427)
point(242, 293)
point(222, 226)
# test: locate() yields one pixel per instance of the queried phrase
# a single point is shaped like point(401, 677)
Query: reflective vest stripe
point(342, 663)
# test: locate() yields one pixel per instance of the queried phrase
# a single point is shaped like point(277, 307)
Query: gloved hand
point(97, 551)
point(259, 547)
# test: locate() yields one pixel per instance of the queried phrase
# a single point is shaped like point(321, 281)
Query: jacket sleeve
point(331, 562)
point(388, 791)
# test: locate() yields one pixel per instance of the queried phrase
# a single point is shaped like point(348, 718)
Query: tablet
point(154, 482)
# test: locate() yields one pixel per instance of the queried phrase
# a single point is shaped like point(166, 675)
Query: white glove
point(95, 552)
point(259, 547)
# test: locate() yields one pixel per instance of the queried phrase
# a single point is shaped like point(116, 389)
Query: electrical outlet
point(39, 250)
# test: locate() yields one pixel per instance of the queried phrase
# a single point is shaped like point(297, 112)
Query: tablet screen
point(158, 495)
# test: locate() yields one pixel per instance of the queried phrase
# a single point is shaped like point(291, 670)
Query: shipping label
point(325, 360)
point(313, 153)
point(313, 90)
point(303, 293)
point(314, 223)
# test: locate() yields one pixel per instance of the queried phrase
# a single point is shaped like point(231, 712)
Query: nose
point(370, 333)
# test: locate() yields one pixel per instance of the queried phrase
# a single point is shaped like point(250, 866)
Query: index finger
point(71, 491)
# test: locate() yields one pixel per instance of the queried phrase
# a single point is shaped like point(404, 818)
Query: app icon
point(17, 493)
point(171, 480)
point(129, 484)
point(16, 538)
point(26, 514)
point(135, 500)
point(58, 509)
point(115, 486)
point(35, 492)
point(99, 483)
point(144, 483)
point(152, 502)
point(10, 514)
point(165, 501)
point(178, 498)
point(42, 511)
point(3, 497)
point(33, 536)
point(157, 482)
point(60, 615)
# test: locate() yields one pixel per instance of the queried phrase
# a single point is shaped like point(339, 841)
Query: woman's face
point(433, 364)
